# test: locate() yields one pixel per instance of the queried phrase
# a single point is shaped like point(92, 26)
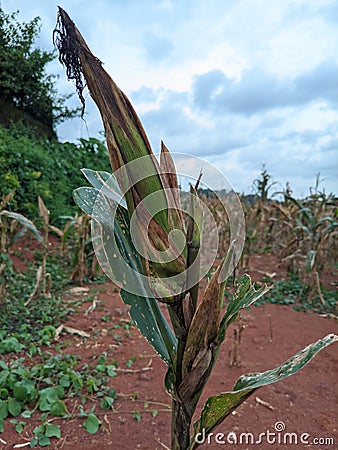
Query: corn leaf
point(85, 198)
point(44, 212)
point(144, 310)
point(126, 138)
point(310, 260)
point(194, 233)
point(307, 215)
point(106, 183)
point(228, 263)
point(244, 296)
point(152, 324)
point(24, 222)
point(170, 381)
point(218, 407)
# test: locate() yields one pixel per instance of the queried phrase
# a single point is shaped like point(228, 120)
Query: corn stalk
point(190, 344)
point(12, 226)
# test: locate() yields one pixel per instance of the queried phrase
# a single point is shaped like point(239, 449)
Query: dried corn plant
point(137, 212)
point(301, 233)
point(12, 226)
point(312, 242)
point(75, 238)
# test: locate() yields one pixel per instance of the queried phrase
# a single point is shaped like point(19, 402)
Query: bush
point(35, 166)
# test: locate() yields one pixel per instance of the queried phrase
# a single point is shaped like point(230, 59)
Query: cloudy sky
point(237, 82)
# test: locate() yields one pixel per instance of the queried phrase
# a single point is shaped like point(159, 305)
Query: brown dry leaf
point(44, 212)
point(201, 340)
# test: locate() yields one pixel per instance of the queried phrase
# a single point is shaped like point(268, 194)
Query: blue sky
point(237, 82)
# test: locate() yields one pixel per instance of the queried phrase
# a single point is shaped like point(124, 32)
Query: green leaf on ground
point(92, 424)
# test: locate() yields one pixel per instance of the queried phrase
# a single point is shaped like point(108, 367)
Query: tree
point(24, 82)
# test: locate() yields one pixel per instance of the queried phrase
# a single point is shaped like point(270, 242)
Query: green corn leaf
point(85, 198)
point(332, 224)
point(293, 200)
point(152, 324)
point(304, 228)
point(113, 221)
point(307, 215)
point(143, 310)
point(244, 296)
point(98, 179)
point(24, 222)
point(310, 260)
point(305, 212)
point(170, 381)
point(218, 407)
point(106, 183)
point(228, 263)
point(326, 219)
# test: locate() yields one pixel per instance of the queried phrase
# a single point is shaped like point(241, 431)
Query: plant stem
point(177, 320)
point(180, 426)
point(321, 298)
point(181, 417)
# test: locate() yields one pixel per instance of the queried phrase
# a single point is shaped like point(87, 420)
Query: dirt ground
point(303, 403)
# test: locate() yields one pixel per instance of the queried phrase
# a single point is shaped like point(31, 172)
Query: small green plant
point(92, 423)
point(27, 390)
point(295, 292)
point(168, 246)
point(43, 434)
point(33, 323)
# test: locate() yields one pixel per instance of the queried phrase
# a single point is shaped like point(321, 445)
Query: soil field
point(304, 404)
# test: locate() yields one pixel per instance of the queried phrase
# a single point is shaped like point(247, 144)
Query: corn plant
point(314, 226)
point(75, 234)
point(306, 232)
point(263, 185)
point(81, 224)
point(13, 225)
point(137, 213)
point(45, 277)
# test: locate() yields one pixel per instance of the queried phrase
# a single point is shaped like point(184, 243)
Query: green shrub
point(38, 166)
